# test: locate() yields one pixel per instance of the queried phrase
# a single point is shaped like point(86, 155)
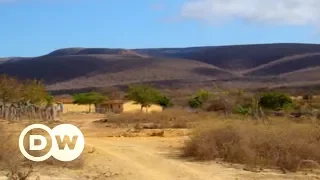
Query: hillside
point(98, 70)
point(144, 70)
point(286, 65)
point(248, 66)
point(238, 57)
point(301, 75)
point(92, 51)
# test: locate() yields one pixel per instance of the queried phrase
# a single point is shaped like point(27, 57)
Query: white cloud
point(289, 12)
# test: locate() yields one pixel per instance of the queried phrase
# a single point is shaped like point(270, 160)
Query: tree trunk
point(89, 108)
point(4, 110)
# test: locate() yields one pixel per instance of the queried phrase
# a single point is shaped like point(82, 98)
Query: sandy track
point(140, 159)
point(149, 158)
point(155, 159)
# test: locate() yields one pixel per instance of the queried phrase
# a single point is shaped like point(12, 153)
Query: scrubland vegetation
point(169, 118)
point(266, 130)
point(273, 130)
point(26, 99)
point(280, 143)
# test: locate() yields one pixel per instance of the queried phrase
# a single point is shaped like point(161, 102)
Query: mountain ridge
point(78, 68)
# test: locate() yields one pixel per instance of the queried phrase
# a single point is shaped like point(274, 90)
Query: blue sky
point(36, 27)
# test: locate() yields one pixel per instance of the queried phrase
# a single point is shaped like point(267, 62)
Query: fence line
point(14, 112)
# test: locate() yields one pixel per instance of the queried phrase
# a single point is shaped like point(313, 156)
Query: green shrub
point(241, 110)
point(164, 101)
point(275, 100)
point(199, 99)
point(194, 103)
point(203, 95)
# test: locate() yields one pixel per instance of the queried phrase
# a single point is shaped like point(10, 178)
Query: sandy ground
point(147, 158)
point(158, 159)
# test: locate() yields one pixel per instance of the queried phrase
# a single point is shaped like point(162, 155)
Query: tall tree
point(10, 93)
point(34, 92)
point(89, 98)
point(16, 96)
point(10, 90)
point(143, 95)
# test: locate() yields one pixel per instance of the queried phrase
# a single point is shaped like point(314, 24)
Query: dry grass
point(75, 164)
point(282, 144)
point(17, 166)
point(12, 161)
point(169, 118)
point(80, 116)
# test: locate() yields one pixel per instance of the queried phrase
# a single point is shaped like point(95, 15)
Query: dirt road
point(156, 159)
point(146, 158)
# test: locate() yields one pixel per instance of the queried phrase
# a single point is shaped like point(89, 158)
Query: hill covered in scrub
point(241, 65)
point(236, 57)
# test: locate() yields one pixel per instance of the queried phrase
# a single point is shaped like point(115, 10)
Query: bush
point(164, 101)
point(11, 159)
point(234, 101)
point(194, 103)
point(275, 100)
point(203, 95)
point(307, 97)
point(219, 105)
point(199, 99)
point(281, 144)
point(243, 110)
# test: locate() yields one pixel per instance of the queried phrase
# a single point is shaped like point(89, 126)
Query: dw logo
point(68, 136)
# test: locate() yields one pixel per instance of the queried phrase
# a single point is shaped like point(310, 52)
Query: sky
point(37, 27)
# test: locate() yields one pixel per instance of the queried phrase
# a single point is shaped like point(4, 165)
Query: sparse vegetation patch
point(282, 144)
